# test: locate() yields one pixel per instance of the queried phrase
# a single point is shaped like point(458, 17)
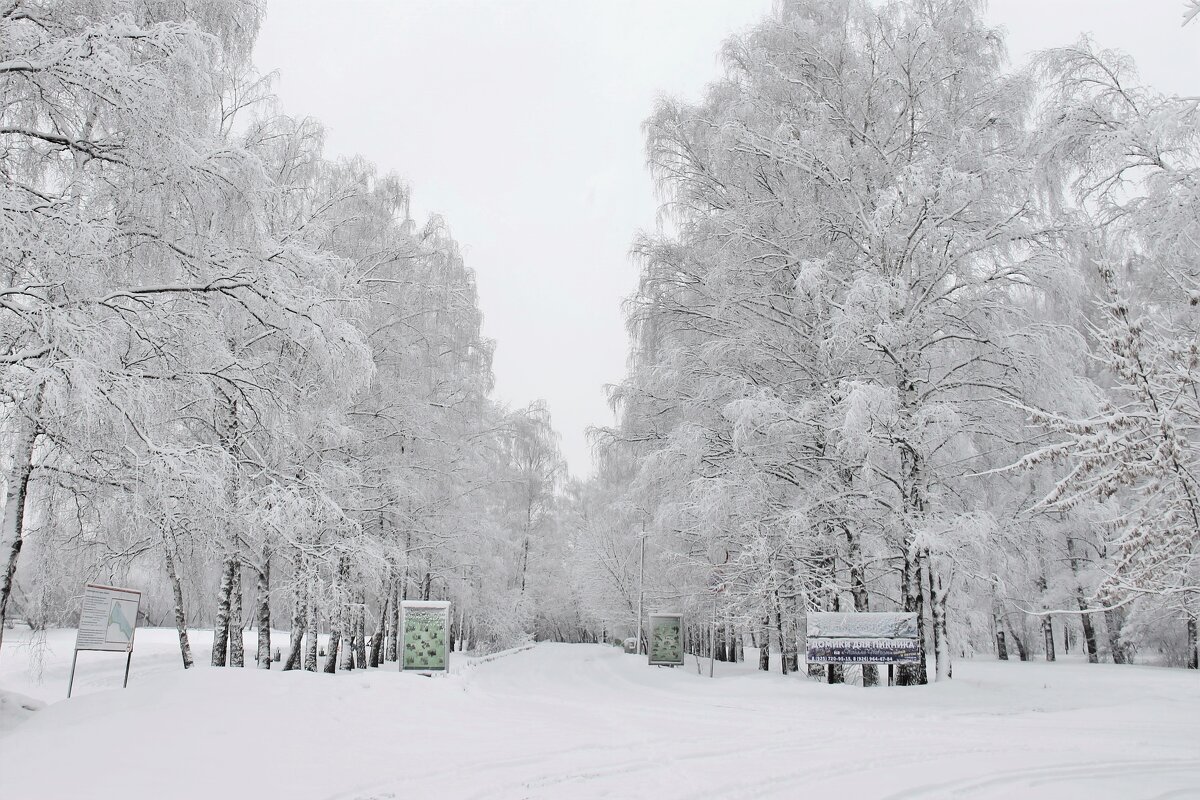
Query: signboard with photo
point(666, 639)
point(425, 625)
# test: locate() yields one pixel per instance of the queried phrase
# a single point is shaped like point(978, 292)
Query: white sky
point(520, 122)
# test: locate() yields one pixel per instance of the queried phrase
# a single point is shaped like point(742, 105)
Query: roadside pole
point(641, 590)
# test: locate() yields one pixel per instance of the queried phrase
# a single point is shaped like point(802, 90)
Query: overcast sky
point(520, 122)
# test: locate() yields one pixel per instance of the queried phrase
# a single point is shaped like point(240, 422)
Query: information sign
point(426, 628)
point(107, 618)
point(863, 638)
point(107, 622)
point(666, 639)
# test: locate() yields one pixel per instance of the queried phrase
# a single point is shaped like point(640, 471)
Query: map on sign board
point(425, 636)
point(107, 618)
point(666, 639)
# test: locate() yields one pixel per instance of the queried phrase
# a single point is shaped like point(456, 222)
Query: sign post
point(863, 637)
point(425, 625)
point(666, 639)
point(107, 622)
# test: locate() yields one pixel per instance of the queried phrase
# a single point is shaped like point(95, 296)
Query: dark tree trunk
point(1193, 654)
point(1047, 624)
point(1001, 644)
point(345, 622)
point(1022, 651)
point(221, 628)
point(393, 645)
point(913, 674)
point(1085, 619)
point(764, 645)
point(858, 591)
point(360, 631)
point(783, 661)
point(310, 629)
point(12, 530)
point(1114, 620)
point(237, 647)
point(943, 669)
point(263, 617)
point(331, 655)
point(185, 647)
point(299, 613)
point(376, 655)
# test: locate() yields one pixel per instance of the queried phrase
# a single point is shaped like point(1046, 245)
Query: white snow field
point(585, 721)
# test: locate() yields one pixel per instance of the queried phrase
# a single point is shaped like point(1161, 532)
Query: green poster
point(425, 637)
point(666, 639)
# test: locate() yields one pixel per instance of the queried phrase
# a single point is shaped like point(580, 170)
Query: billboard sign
point(107, 622)
point(863, 638)
point(666, 639)
point(426, 635)
point(107, 619)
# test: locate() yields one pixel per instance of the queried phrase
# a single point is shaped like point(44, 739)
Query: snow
point(586, 721)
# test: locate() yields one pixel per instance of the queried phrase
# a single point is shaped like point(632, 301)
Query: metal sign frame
point(426, 610)
point(101, 608)
point(680, 632)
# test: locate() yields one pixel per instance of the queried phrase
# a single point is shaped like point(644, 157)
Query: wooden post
point(128, 658)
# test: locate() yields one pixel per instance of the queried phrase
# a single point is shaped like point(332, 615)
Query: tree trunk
point(1114, 620)
point(310, 629)
point(299, 608)
point(393, 645)
point(944, 670)
point(237, 647)
point(12, 531)
point(1193, 654)
point(345, 617)
point(185, 647)
point(858, 591)
point(764, 645)
point(263, 591)
point(1022, 651)
point(783, 661)
point(221, 628)
point(913, 674)
point(1001, 644)
point(376, 656)
point(791, 622)
point(360, 630)
point(331, 655)
point(1085, 619)
point(1047, 624)
point(913, 502)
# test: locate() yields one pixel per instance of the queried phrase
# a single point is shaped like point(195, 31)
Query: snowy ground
point(585, 721)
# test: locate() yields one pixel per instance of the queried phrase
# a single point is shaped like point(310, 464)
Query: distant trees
point(235, 371)
point(873, 297)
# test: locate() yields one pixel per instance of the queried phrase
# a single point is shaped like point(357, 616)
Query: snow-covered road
point(583, 721)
